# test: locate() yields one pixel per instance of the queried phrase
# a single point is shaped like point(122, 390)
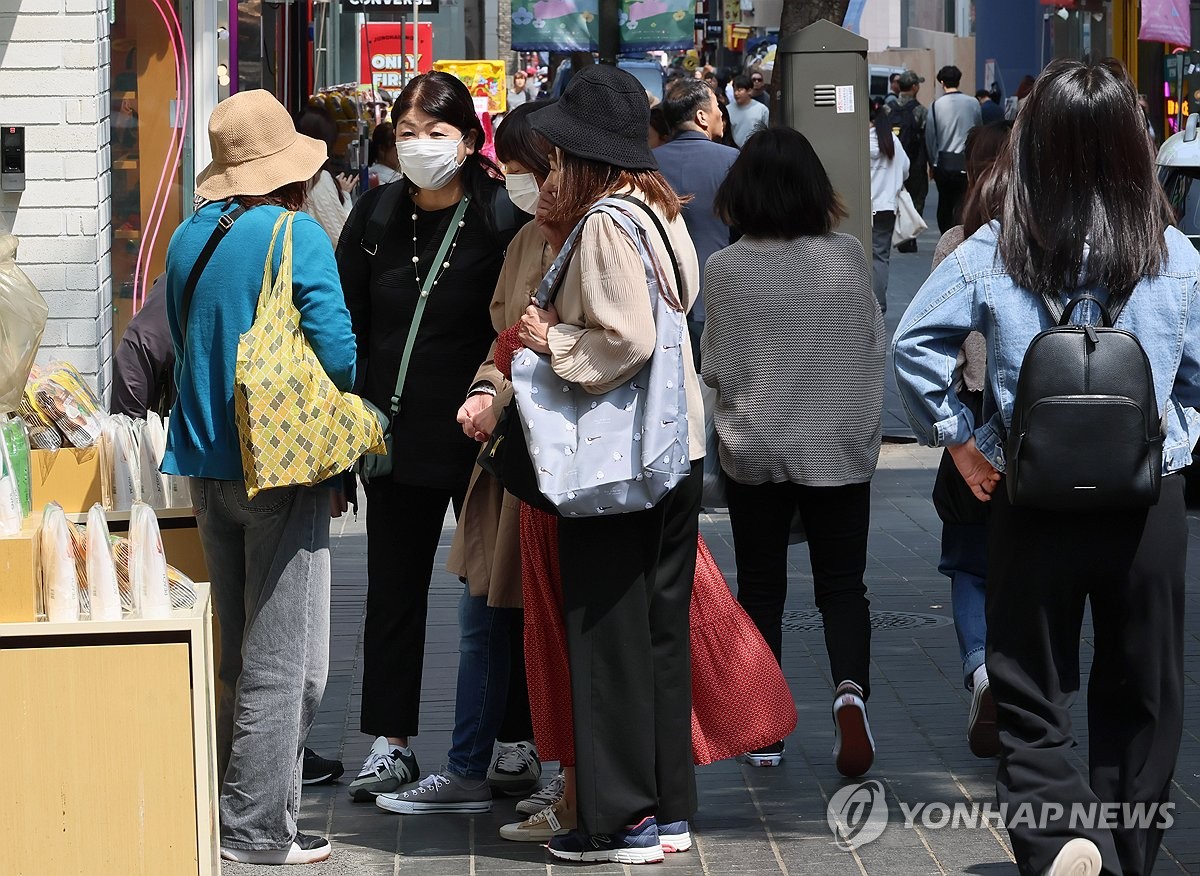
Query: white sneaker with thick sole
point(305, 849)
point(854, 746)
point(547, 796)
point(386, 769)
point(1079, 857)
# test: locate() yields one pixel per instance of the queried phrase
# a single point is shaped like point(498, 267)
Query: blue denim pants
point(484, 665)
point(964, 562)
point(268, 559)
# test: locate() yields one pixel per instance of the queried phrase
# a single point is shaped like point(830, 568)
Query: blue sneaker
point(675, 837)
point(634, 845)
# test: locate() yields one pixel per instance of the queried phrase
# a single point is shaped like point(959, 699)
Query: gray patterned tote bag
point(623, 450)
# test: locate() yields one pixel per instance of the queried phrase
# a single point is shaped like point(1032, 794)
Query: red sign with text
point(391, 56)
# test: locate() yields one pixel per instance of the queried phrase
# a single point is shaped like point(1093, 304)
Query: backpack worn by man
point(910, 131)
point(1085, 434)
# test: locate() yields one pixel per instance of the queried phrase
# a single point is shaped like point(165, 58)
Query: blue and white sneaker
point(638, 844)
point(675, 837)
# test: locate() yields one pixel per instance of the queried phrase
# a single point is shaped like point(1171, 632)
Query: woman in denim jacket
point(1083, 214)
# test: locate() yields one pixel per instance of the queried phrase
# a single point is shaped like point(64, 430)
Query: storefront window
point(152, 164)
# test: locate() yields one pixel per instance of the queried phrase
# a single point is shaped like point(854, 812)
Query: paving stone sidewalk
point(751, 821)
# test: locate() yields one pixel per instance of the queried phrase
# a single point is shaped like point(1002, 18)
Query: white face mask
point(523, 190)
point(428, 163)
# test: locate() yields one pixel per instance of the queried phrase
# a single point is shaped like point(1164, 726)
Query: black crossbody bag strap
point(223, 225)
point(381, 215)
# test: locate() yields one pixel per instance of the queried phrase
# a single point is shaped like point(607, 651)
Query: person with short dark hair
point(950, 118)
point(695, 163)
point(746, 115)
point(793, 346)
point(990, 111)
point(385, 160)
point(1066, 227)
point(758, 88)
point(893, 94)
point(909, 117)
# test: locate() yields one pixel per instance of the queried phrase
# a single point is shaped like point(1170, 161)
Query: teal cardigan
point(203, 438)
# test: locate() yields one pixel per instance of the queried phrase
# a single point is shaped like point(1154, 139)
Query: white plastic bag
point(103, 593)
point(23, 314)
point(148, 564)
point(120, 478)
point(60, 581)
point(152, 444)
point(179, 494)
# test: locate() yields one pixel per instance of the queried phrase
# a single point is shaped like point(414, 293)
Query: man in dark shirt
point(988, 108)
point(144, 361)
point(694, 164)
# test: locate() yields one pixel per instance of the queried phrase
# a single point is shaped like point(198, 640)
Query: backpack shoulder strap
point(381, 215)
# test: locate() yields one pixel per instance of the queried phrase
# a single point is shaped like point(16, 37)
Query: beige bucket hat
point(255, 148)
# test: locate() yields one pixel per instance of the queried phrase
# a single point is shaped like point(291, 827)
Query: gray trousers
point(882, 224)
point(268, 559)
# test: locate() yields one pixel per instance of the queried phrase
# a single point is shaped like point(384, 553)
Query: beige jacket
point(606, 330)
point(486, 548)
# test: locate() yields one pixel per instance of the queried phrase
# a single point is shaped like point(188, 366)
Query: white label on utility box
point(845, 98)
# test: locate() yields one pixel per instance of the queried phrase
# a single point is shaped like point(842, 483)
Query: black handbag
point(506, 457)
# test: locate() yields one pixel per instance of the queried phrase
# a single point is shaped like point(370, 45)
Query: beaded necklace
point(445, 264)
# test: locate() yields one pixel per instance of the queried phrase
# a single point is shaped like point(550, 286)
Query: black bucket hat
point(603, 115)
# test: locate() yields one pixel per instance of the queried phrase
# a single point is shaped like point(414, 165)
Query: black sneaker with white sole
point(320, 770)
point(306, 848)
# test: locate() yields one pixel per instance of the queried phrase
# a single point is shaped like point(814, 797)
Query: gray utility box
point(825, 98)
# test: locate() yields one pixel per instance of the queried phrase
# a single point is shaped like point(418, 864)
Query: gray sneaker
point(385, 769)
point(547, 796)
point(515, 769)
point(439, 792)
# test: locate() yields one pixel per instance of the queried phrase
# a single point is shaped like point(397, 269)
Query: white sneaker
point(515, 769)
point(1079, 857)
point(386, 768)
point(854, 746)
point(305, 849)
point(547, 796)
point(541, 826)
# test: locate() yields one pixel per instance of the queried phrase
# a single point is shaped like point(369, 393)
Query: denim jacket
point(971, 291)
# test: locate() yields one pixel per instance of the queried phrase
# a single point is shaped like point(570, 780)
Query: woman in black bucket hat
point(627, 578)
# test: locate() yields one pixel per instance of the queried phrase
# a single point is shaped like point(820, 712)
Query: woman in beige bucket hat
point(268, 557)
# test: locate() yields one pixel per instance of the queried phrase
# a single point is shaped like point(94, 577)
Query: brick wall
point(54, 80)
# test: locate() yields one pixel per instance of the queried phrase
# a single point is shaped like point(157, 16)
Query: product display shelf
point(109, 728)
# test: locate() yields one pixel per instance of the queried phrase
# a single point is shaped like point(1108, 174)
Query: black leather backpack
point(1085, 432)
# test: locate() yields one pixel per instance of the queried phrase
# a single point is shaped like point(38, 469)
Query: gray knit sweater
point(794, 346)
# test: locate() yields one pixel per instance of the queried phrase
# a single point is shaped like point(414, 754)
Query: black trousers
point(404, 525)
point(627, 590)
point(1042, 566)
point(917, 185)
point(836, 520)
point(952, 188)
point(518, 720)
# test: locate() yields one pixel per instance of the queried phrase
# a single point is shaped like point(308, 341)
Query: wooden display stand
point(108, 729)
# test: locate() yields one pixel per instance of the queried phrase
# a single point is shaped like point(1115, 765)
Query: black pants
point(404, 525)
point(518, 721)
point(837, 520)
point(627, 589)
point(917, 184)
point(1042, 566)
point(952, 188)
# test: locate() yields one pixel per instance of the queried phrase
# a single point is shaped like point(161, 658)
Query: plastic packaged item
point(120, 481)
point(179, 493)
point(10, 494)
point(60, 581)
point(16, 440)
point(104, 595)
point(79, 555)
point(23, 314)
point(62, 396)
point(148, 564)
point(152, 445)
point(183, 589)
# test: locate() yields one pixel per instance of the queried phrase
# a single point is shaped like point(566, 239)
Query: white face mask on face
point(523, 190)
point(428, 163)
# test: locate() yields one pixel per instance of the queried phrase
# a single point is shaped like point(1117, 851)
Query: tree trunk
point(797, 15)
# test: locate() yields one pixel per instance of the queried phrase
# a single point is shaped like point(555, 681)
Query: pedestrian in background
point(385, 160)
point(1064, 229)
point(793, 346)
point(521, 93)
point(268, 557)
point(889, 168)
point(909, 117)
point(989, 110)
point(950, 118)
point(328, 197)
point(747, 115)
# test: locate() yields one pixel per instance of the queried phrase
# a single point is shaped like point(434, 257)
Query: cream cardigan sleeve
point(607, 328)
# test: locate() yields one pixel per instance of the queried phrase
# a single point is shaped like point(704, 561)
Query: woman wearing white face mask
point(418, 261)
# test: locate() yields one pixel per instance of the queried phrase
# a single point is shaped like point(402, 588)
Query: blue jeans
point(268, 558)
point(484, 661)
point(964, 562)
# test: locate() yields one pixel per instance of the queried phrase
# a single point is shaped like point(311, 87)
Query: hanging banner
point(391, 56)
point(486, 80)
point(424, 7)
point(572, 25)
point(1166, 21)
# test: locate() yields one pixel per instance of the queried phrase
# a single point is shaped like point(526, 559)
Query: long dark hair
point(985, 186)
point(583, 182)
point(1080, 172)
point(317, 122)
point(778, 188)
point(445, 98)
point(883, 128)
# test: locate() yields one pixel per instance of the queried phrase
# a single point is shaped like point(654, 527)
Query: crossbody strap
point(381, 215)
point(426, 286)
point(224, 223)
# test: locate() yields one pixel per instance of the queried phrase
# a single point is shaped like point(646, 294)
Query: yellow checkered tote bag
point(295, 426)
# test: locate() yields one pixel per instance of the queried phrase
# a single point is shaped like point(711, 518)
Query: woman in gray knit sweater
point(794, 347)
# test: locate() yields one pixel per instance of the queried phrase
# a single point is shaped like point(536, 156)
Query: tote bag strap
point(662, 231)
point(266, 297)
